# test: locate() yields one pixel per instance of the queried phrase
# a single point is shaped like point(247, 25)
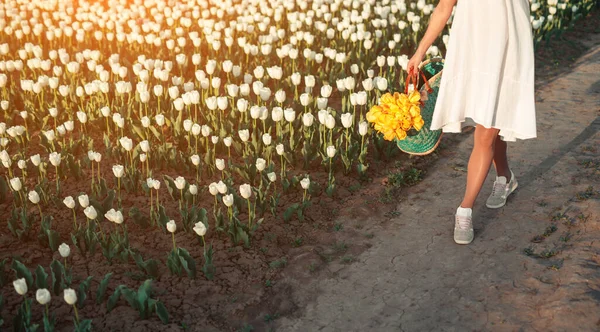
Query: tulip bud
point(55, 159)
point(305, 183)
point(145, 146)
point(260, 164)
point(84, 201)
point(34, 197)
point(347, 120)
point(20, 286)
point(195, 159)
point(220, 163)
point(69, 202)
point(22, 164)
point(90, 212)
point(266, 138)
point(244, 135)
point(280, 149)
point(179, 183)
point(363, 128)
point(228, 200)
point(64, 250)
point(15, 183)
point(245, 191)
point(143, 157)
point(43, 296)
point(118, 171)
point(171, 226)
point(212, 188)
point(331, 151)
point(193, 189)
point(227, 141)
point(200, 228)
point(308, 119)
point(272, 176)
point(70, 296)
point(222, 187)
point(289, 114)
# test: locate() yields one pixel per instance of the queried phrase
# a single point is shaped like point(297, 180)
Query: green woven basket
point(425, 141)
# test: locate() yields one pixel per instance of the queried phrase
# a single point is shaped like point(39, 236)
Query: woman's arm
point(437, 22)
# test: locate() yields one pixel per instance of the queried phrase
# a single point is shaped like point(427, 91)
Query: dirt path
point(415, 278)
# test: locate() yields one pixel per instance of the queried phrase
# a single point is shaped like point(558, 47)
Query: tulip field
point(158, 156)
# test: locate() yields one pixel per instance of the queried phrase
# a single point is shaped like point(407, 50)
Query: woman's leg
point(479, 163)
point(500, 159)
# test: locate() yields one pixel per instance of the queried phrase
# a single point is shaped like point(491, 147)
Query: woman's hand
point(414, 62)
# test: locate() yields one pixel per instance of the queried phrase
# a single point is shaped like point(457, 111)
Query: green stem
point(174, 246)
point(76, 314)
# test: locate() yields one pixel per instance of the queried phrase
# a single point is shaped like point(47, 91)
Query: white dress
point(488, 76)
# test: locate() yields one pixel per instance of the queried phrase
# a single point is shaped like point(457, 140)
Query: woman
point(488, 82)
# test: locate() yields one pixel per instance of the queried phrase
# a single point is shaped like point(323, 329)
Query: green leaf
point(53, 239)
point(170, 183)
point(187, 262)
point(23, 272)
point(143, 293)
point(287, 215)
point(84, 326)
point(139, 132)
point(162, 313)
point(113, 299)
point(57, 270)
point(41, 278)
point(131, 297)
point(102, 288)
point(84, 287)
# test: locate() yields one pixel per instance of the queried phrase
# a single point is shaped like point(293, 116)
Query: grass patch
point(405, 178)
point(338, 226)
point(269, 318)
point(278, 263)
point(369, 235)
point(297, 242)
point(347, 259)
point(566, 237)
point(340, 246)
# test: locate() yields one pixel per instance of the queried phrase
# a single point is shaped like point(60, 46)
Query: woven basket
point(425, 141)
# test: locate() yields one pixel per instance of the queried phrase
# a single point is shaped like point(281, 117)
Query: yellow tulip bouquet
point(397, 113)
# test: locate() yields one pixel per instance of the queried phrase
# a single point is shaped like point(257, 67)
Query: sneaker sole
point(503, 203)
point(462, 242)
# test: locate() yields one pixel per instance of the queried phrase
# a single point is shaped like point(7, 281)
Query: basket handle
point(415, 80)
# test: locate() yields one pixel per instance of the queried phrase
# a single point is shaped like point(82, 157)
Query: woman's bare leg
point(500, 159)
point(479, 163)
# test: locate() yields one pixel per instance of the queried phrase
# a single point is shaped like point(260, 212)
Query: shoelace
point(463, 222)
point(499, 189)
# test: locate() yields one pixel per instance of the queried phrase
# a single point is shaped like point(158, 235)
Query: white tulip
point(69, 125)
point(69, 202)
point(118, 171)
point(272, 176)
point(200, 228)
point(228, 141)
point(90, 212)
point(195, 159)
point(228, 200)
point(82, 117)
point(245, 191)
point(53, 112)
point(145, 122)
point(347, 119)
point(244, 135)
point(289, 114)
point(331, 151)
point(70, 296)
point(305, 183)
point(179, 183)
point(22, 164)
point(308, 119)
point(221, 187)
point(20, 286)
point(212, 188)
point(193, 189)
point(330, 121)
point(160, 119)
point(34, 197)
point(214, 139)
point(43, 296)
point(64, 250)
point(171, 226)
point(145, 146)
point(54, 159)
point(326, 91)
point(84, 200)
point(260, 164)
point(305, 99)
point(126, 143)
point(280, 149)
point(266, 138)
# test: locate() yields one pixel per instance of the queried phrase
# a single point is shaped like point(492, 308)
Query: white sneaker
point(501, 190)
point(463, 226)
